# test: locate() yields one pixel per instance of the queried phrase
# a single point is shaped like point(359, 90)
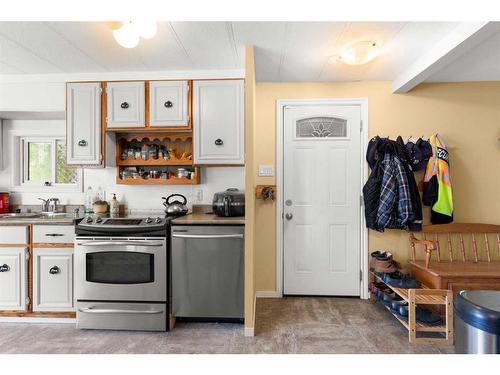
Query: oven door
point(128, 269)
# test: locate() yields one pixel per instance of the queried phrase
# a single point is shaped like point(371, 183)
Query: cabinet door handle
point(54, 234)
point(4, 268)
point(124, 105)
point(219, 142)
point(168, 104)
point(82, 143)
point(55, 270)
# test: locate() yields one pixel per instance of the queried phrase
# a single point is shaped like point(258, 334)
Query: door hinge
point(361, 202)
point(360, 275)
point(28, 301)
point(188, 87)
point(189, 118)
point(361, 126)
point(100, 90)
point(27, 255)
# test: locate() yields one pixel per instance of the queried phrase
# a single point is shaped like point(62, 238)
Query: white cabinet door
point(218, 110)
point(125, 104)
point(13, 278)
point(168, 103)
point(53, 279)
point(83, 123)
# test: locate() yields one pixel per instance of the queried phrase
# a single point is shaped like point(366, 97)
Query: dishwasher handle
point(207, 236)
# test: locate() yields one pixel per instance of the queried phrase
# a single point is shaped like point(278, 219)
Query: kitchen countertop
point(204, 218)
point(202, 214)
point(68, 219)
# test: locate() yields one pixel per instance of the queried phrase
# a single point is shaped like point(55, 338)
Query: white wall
point(213, 179)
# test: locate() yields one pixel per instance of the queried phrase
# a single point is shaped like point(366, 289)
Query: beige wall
point(467, 115)
point(249, 190)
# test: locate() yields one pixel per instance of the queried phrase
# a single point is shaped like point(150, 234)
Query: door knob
point(289, 216)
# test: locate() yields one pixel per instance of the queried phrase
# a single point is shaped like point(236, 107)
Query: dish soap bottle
point(114, 206)
point(88, 201)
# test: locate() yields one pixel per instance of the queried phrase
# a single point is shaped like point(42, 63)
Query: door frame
point(281, 104)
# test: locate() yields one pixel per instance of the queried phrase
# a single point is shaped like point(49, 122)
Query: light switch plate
point(266, 170)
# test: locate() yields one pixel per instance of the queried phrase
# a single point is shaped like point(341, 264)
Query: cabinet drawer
point(15, 235)
point(53, 233)
point(53, 279)
point(13, 278)
point(168, 103)
point(125, 104)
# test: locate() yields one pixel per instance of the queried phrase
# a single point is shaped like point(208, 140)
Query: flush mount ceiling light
point(359, 53)
point(130, 32)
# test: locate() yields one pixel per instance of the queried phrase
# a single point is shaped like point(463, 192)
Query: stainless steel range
point(121, 273)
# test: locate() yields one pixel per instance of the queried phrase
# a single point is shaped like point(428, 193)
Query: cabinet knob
point(124, 105)
point(168, 104)
point(54, 270)
point(82, 143)
point(219, 142)
point(4, 268)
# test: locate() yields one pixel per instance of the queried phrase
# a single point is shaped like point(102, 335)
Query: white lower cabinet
point(13, 278)
point(53, 279)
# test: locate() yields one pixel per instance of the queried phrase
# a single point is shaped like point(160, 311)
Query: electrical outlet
point(199, 195)
point(266, 170)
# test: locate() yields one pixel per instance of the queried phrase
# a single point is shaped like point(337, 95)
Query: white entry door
point(321, 193)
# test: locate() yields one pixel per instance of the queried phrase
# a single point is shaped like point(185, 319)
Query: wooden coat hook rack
point(266, 192)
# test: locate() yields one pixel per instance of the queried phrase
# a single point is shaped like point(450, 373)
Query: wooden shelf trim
point(153, 162)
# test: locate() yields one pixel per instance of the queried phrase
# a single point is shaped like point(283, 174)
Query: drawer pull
point(54, 234)
point(124, 105)
point(4, 268)
point(168, 104)
point(219, 142)
point(82, 143)
point(55, 270)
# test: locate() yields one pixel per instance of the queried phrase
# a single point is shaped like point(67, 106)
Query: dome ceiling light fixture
point(359, 53)
point(130, 32)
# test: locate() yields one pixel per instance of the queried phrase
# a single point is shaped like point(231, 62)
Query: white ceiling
point(284, 51)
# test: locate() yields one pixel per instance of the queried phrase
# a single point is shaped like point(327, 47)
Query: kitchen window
point(42, 165)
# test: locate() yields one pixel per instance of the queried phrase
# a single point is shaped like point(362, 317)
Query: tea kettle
point(175, 208)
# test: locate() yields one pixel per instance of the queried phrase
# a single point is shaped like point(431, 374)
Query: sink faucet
point(47, 206)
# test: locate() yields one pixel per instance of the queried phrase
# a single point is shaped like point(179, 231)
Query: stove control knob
point(158, 220)
point(149, 220)
point(89, 219)
point(98, 220)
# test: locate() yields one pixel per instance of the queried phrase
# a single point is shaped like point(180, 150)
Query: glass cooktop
point(122, 221)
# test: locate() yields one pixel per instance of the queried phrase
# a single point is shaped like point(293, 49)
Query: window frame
point(20, 157)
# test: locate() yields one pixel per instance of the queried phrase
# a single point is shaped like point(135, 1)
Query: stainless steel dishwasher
point(207, 271)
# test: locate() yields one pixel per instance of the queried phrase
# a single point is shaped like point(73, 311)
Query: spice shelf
point(425, 296)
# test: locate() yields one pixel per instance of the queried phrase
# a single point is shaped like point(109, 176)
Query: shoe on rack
point(423, 316)
point(395, 305)
point(375, 286)
point(389, 298)
point(401, 280)
point(381, 255)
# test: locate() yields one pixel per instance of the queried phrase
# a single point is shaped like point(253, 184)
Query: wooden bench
point(466, 256)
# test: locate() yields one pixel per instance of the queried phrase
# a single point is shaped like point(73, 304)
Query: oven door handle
point(207, 235)
point(121, 243)
point(91, 310)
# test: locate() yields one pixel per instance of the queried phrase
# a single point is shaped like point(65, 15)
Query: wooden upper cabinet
point(169, 104)
point(83, 123)
point(219, 119)
point(125, 105)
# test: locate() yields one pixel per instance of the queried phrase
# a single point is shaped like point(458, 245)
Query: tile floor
point(288, 325)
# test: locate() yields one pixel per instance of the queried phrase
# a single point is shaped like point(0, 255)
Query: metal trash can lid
point(480, 309)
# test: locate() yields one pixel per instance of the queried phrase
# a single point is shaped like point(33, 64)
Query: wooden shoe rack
point(441, 301)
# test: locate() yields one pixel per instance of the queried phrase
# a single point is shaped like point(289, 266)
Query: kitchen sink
point(20, 215)
point(53, 214)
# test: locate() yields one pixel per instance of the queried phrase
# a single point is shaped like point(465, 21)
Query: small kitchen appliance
point(229, 203)
point(4, 202)
point(121, 278)
point(175, 207)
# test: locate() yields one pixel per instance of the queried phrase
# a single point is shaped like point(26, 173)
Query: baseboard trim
point(249, 331)
point(35, 320)
point(267, 294)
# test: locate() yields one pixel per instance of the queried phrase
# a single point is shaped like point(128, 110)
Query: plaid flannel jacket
point(395, 208)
